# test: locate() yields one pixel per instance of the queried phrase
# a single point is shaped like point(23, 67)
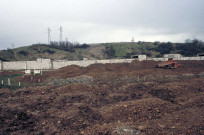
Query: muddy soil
point(120, 99)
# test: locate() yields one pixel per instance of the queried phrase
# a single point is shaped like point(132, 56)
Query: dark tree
point(110, 52)
point(23, 53)
point(165, 48)
point(191, 47)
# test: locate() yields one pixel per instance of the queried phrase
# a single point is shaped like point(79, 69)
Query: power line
point(60, 38)
point(12, 46)
point(49, 37)
point(133, 40)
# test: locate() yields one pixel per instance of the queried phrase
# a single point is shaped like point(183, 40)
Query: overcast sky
point(25, 22)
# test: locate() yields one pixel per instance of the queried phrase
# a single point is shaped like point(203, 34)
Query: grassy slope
point(41, 51)
point(36, 51)
point(121, 50)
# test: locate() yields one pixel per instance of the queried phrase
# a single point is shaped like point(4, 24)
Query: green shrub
point(165, 48)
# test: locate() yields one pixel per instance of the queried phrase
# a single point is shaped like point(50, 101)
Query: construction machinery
point(168, 64)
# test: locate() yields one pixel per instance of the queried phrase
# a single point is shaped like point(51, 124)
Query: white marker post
point(9, 81)
point(19, 84)
point(2, 82)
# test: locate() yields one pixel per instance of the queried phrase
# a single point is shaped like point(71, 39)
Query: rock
point(141, 127)
point(173, 127)
point(126, 130)
point(161, 125)
point(58, 121)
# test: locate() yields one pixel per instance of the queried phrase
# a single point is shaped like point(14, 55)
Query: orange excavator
point(168, 64)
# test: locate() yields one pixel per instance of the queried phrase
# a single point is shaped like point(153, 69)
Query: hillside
point(45, 51)
point(102, 50)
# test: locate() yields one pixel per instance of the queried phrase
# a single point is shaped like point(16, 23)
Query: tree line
point(67, 46)
point(189, 48)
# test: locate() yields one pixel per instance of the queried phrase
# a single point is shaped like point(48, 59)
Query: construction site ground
point(107, 99)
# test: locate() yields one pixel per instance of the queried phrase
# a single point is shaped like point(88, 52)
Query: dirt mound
point(79, 79)
point(164, 94)
point(17, 121)
point(10, 73)
point(120, 70)
point(84, 117)
point(131, 98)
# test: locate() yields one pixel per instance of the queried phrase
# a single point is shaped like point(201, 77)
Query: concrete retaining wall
point(56, 64)
point(63, 63)
point(158, 59)
point(179, 58)
point(175, 56)
point(190, 58)
point(17, 65)
point(39, 64)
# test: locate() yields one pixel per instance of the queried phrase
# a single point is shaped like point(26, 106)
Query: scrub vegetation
point(101, 51)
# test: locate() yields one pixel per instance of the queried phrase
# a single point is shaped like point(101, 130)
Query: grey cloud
point(24, 22)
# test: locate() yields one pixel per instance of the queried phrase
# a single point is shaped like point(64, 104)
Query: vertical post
point(138, 78)
point(9, 81)
point(41, 71)
point(1, 65)
point(2, 82)
point(19, 84)
point(51, 64)
point(26, 66)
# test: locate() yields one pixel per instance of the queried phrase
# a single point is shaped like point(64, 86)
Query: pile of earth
point(113, 102)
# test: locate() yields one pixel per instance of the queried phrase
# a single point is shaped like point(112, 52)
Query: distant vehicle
point(168, 64)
